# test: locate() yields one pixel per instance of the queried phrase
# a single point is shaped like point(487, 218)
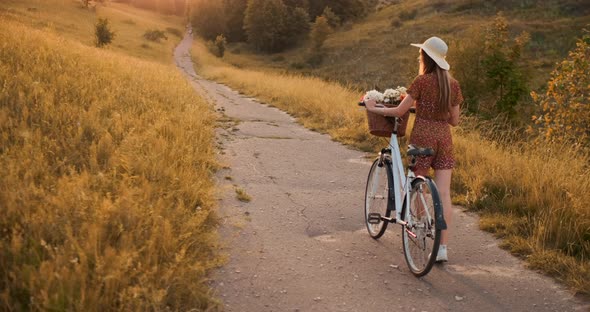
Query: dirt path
point(301, 244)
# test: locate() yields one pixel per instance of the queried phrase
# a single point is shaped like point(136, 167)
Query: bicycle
point(421, 212)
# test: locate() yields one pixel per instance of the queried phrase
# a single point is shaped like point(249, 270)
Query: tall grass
point(534, 197)
point(106, 194)
point(70, 20)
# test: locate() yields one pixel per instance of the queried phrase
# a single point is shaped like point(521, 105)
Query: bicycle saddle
point(419, 151)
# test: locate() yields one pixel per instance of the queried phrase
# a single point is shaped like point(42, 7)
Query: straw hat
point(437, 49)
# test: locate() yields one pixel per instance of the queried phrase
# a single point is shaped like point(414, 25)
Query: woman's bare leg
point(442, 178)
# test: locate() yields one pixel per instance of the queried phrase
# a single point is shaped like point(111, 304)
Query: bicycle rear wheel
point(377, 197)
point(421, 236)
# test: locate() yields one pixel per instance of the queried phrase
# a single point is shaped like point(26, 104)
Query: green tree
point(345, 9)
point(266, 26)
point(220, 43)
point(491, 70)
point(501, 64)
point(565, 106)
point(103, 33)
point(331, 17)
point(297, 25)
point(320, 31)
point(304, 4)
point(208, 18)
point(234, 19)
point(467, 66)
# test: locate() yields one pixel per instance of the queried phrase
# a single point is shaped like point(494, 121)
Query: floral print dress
point(431, 129)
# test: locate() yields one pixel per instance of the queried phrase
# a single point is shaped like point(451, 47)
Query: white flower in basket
point(374, 95)
point(394, 95)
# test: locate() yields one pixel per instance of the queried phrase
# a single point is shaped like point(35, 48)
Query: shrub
point(565, 108)
point(505, 77)
point(490, 70)
point(333, 19)
point(174, 31)
point(396, 23)
point(103, 33)
point(314, 59)
point(220, 43)
point(407, 15)
point(297, 65)
point(320, 31)
point(155, 35)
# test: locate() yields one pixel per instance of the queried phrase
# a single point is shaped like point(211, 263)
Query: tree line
point(271, 25)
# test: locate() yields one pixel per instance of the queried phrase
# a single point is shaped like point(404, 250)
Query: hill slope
point(376, 50)
point(106, 194)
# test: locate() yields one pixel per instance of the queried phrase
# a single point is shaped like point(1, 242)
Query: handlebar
point(412, 109)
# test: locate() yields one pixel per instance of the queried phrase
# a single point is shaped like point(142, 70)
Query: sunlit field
point(106, 193)
point(71, 20)
point(533, 197)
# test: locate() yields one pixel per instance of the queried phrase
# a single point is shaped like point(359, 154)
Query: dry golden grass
point(242, 196)
point(70, 20)
point(533, 197)
point(106, 193)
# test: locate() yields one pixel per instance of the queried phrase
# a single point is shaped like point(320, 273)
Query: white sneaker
point(441, 256)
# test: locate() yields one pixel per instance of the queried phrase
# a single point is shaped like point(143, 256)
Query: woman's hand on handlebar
point(370, 104)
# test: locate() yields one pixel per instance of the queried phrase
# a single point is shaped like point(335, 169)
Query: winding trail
point(300, 244)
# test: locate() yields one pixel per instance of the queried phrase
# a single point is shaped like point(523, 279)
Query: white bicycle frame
point(401, 182)
point(401, 186)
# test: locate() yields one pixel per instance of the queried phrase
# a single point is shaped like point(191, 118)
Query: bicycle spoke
point(420, 247)
point(376, 198)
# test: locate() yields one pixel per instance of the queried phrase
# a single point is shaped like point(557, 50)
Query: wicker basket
point(380, 125)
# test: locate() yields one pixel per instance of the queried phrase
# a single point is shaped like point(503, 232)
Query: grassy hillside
point(517, 188)
point(106, 194)
point(71, 20)
point(376, 50)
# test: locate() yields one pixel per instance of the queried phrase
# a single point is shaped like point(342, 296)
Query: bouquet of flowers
point(390, 96)
point(380, 125)
point(374, 95)
point(394, 96)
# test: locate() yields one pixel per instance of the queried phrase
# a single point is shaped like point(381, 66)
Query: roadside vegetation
point(106, 193)
point(71, 20)
point(514, 169)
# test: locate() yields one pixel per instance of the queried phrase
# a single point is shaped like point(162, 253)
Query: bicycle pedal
point(374, 218)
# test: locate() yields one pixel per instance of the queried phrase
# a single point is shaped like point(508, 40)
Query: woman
point(437, 97)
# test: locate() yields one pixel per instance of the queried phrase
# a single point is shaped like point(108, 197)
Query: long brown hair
point(444, 82)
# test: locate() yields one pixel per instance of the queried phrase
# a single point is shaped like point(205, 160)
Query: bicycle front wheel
point(377, 197)
point(420, 236)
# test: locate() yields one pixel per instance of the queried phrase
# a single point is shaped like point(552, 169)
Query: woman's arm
point(398, 111)
point(455, 113)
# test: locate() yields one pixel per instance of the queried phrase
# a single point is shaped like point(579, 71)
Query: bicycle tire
point(420, 251)
point(383, 206)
